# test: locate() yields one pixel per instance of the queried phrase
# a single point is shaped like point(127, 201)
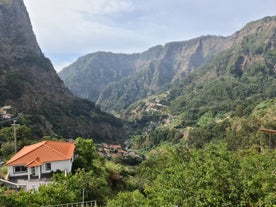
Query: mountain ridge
point(158, 66)
point(153, 71)
point(218, 100)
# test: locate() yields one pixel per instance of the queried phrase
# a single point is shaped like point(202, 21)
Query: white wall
point(58, 165)
point(11, 172)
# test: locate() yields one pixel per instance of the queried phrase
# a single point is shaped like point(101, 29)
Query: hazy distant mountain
point(115, 81)
point(229, 97)
point(29, 83)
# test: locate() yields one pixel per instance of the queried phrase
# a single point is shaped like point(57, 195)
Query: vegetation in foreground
point(171, 175)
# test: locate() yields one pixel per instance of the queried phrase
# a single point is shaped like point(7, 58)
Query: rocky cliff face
point(20, 55)
point(91, 73)
point(17, 39)
point(30, 84)
point(116, 80)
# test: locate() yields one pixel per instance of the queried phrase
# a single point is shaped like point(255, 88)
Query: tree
point(207, 178)
point(23, 135)
point(211, 176)
point(86, 155)
point(94, 186)
point(129, 199)
point(258, 177)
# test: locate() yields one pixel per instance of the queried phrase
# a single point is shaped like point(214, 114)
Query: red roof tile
point(45, 151)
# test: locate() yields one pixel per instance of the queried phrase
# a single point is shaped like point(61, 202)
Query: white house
point(40, 159)
point(7, 116)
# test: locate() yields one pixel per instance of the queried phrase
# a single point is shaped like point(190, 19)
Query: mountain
point(115, 81)
point(29, 83)
point(229, 97)
point(242, 73)
point(194, 84)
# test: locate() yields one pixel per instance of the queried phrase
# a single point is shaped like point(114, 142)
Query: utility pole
point(83, 197)
point(14, 134)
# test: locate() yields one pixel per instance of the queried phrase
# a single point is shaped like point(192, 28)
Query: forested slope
point(228, 88)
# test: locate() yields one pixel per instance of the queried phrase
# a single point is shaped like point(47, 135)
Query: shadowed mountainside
point(29, 83)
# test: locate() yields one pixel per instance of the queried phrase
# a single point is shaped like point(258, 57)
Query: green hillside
point(226, 90)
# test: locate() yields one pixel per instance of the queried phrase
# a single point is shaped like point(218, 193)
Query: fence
point(80, 204)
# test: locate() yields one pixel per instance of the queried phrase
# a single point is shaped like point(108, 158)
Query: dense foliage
point(238, 128)
point(172, 175)
point(7, 148)
point(213, 176)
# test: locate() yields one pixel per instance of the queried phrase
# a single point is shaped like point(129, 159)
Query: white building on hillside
point(43, 158)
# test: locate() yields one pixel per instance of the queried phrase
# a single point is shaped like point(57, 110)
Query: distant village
point(117, 153)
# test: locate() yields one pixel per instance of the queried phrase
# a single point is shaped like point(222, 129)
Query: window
point(33, 170)
point(19, 169)
point(48, 166)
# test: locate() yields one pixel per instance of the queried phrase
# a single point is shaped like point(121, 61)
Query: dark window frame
point(48, 166)
point(20, 169)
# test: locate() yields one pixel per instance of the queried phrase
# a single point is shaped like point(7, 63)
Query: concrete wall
point(11, 172)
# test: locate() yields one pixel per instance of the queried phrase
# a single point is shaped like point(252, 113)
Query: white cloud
point(62, 25)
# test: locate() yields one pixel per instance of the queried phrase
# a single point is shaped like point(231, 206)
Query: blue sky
point(68, 29)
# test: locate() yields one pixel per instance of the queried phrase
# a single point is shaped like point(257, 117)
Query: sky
point(68, 29)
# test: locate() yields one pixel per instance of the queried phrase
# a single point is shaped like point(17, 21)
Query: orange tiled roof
point(45, 151)
point(33, 163)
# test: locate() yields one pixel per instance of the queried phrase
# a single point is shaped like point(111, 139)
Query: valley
point(188, 123)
